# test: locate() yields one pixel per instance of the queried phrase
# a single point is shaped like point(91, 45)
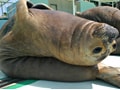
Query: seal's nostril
point(111, 35)
point(114, 46)
point(97, 50)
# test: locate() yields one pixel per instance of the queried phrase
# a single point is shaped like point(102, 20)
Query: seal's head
point(100, 43)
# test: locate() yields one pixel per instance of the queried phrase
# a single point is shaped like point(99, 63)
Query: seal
point(105, 14)
point(54, 45)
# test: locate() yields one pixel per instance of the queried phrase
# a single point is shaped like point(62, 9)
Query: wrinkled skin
point(53, 45)
point(105, 14)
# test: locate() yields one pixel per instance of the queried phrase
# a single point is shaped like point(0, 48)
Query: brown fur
point(54, 45)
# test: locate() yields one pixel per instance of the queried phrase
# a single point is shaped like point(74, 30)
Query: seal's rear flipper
point(22, 10)
point(23, 13)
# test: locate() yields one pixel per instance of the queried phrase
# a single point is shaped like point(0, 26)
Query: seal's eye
point(97, 50)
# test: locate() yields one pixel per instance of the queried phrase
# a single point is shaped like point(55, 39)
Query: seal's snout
point(110, 32)
point(106, 33)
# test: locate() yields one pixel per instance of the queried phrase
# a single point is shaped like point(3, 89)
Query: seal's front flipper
point(42, 6)
point(109, 74)
point(38, 6)
point(29, 4)
point(78, 14)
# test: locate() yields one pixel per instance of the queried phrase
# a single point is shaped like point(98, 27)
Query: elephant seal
point(105, 14)
point(54, 45)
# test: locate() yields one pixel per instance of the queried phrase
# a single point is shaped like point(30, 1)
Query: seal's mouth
point(102, 58)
